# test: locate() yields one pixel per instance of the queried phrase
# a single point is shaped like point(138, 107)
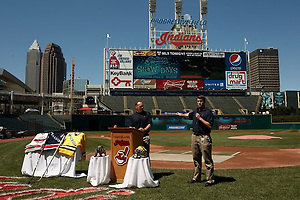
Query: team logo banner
point(267, 99)
point(144, 83)
point(236, 80)
point(279, 98)
point(121, 79)
point(120, 59)
point(179, 84)
point(178, 39)
point(235, 62)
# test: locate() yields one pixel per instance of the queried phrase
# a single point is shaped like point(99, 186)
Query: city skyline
point(81, 31)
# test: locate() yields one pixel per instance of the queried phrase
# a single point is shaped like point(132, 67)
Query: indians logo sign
point(178, 39)
point(121, 157)
point(12, 190)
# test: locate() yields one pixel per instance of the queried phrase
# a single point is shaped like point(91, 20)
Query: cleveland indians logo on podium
point(121, 157)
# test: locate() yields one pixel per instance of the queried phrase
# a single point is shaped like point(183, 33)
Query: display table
point(138, 174)
point(60, 166)
point(99, 170)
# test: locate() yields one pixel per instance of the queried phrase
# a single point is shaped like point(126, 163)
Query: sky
point(80, 28)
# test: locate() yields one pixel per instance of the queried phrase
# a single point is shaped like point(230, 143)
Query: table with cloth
point(99, 170)
point(61, 165)
point(138, 174)
point(55, 154)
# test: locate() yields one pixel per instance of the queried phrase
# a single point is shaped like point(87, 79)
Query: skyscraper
point(53, 71)
point(33, 67)
point(264, 70)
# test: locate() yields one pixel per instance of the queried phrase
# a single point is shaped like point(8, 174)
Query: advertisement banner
point(179, 84)
point(235, 61)
point(120, 59)
point(176, 127)
point(144, 83)
point(229, 120)
point(214, 84)
point(155, 67)
point(236, 80)
point(227, 127)
point(267, 99)
point(144, 53)
point(121, 79)
point(213, 54)
point(279, 98)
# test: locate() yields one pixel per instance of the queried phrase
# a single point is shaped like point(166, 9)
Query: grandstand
point(169, 104)
point(41, 123)
point(12, 122)
point(172, 104)
point(226, 104)
point(250, 103)
point(115, 103)
point(147, 100)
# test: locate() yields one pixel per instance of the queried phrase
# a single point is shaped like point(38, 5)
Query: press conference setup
point(53, 154)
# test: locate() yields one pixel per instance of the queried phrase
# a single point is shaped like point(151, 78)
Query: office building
point(33, 67)
point(264, 70)
point(53, 70)
point(79, 86)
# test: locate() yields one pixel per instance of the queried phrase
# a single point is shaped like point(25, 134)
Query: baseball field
point(253, 168)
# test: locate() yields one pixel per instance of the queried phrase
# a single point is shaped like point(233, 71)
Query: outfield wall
point(224, 122)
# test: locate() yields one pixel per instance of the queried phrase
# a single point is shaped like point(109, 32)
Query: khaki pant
point(202, 146)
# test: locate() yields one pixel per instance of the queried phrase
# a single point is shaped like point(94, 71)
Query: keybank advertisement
point(236, 80)
point(121, 79)
point(235, 61)
point(119, 59)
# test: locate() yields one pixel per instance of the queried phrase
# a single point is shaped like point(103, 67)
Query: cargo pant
point(202, 147)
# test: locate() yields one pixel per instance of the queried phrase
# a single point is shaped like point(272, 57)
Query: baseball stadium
point(89, 147)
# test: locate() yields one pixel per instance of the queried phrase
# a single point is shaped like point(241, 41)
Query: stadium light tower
point(152, 25)
point(203, 26)
point(178, 9)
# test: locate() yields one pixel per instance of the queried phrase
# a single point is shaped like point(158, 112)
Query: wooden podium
point(123, 143)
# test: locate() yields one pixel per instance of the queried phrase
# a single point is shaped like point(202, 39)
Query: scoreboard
point(176, 70)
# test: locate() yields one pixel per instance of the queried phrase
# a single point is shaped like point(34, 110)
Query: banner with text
point(144, 83)
point(121, 79)
point(179, 84)
point(236, 80)
point(119, 59)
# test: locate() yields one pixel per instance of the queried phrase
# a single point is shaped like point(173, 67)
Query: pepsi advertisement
point(235, 61)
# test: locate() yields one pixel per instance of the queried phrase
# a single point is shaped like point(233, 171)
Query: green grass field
point(270, 183)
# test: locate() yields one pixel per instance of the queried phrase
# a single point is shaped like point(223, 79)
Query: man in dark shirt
point(201, 141)
point(142, 121)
